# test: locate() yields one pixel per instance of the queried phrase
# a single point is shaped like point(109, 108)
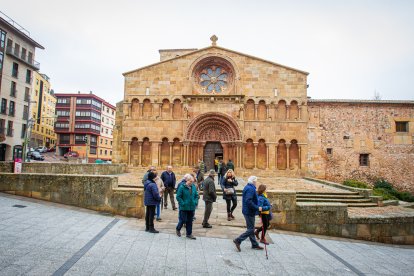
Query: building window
point(80, 139)
point(28, 76)
point(213, 79)
point(24, 51)
point(16, 49)
point(1, 60)
point(83, 101)
point(9, 129)
point(329, 150)
point(62, 125)
point(100, 152)
point(61, 100)
point(364, 159)
point(27, 94)
point(15, 70)
point(106, 142)
point(106, 152)
point(25, 112)
point(64, 139)
point(23, 130)
point(11, 108)
point(2, 38)
point(110, 153)
point(111, 143)
point(401, 126)
point(92, 150)
point(2, 126)
point(13, 90)
point(64, 113)
point(3, 108)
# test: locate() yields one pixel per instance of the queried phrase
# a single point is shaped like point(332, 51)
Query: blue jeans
point(187, 218)
point(249, 232)
point(158, 211)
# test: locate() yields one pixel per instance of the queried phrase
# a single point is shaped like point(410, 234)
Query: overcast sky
point(350, 48)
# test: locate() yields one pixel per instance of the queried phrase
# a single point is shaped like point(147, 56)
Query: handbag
point(230, 191)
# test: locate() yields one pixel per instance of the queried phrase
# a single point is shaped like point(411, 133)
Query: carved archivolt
point(213, 126)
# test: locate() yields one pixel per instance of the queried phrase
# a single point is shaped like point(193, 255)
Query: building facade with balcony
point(107, 126)
point(17, 66)
point(42, 109)
point(79, 116)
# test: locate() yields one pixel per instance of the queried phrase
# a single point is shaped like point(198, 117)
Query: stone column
point(129, 153)
point(255, 111)
point(171, 152)
point(255, 154)
point(267, 156)
point(186, 153)
point(160, 111)
point(300, 112)
point(276, 168)
point(276, 113)
point(141, 110)
point(171, 110)
point(267, 112)
point(287, 112)
point(300, 157)
point(287, 157)
point(225, 151)
point(139, 153)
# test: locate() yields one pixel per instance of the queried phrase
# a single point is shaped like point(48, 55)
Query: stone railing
point(332, 219)
point(99, 193)
point(66, 168)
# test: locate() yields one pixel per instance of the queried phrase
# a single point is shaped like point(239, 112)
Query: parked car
point(29, 153)
point(37, 156)
point(41, 149)
point(71, 154)
point(51, 149)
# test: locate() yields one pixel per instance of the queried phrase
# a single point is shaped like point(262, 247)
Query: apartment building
point(17, 64)
point(84, 115)
point(43, 104)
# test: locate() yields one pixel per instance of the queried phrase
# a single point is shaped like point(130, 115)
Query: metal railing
point(31, 62)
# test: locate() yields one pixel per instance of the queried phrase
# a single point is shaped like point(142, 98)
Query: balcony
point(11, 51)
point(9, 132)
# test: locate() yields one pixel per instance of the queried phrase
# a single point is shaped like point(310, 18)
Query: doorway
point(211, 151)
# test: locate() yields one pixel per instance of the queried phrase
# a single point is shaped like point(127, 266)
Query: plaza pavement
point(44, 238)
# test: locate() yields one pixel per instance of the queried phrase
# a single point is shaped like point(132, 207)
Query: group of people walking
point(158, 189)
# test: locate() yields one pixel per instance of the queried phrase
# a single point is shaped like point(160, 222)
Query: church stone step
point(362, 200)
point(329, 196)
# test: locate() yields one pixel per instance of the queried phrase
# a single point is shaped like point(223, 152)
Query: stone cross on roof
point(214, 39)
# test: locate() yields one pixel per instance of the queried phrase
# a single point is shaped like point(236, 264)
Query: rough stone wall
point(6, 167)
point(351, 129)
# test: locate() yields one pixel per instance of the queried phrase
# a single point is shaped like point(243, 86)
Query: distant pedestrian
point(219, 174)
point(216, 164)
point(223, 170)
point(230, 165)
point(151, 199)
point(228, 185)
point(199, 177)
point(187, 198)
point(209, 196)
point(161, 188)
point(202, 165)
point(264, 214)
point(145, 177)
point(168, 177)
point(250, 207)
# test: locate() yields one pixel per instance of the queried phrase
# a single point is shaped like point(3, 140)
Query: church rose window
point(213, 79)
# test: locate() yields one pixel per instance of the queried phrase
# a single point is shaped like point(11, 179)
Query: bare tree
point(377, 96)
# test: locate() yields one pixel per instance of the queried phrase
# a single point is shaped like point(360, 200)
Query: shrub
point(381, 183)
point(355, 184)
point(406, 196)
point(385, 193)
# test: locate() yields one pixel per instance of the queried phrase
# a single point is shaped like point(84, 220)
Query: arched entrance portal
point(212, 135)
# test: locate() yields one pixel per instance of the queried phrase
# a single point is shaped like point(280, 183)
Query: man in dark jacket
point(209, 196)
point(151, 200)
point(230, 165)
point(145, 177)
point(199, 176)
point(249, 209)
point(168, 177)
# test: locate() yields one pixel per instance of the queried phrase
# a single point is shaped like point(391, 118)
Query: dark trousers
point(169, 191)
point(249, 232)
point(149, 217)
point(266, 223)
point(207, 211)
point(187, 218)
point(219, 177)
point(230, 208)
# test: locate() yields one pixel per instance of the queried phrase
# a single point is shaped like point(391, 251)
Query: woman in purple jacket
point(151, 200)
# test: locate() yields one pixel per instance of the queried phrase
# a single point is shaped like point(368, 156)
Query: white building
point(107, 126)
point(17, 54)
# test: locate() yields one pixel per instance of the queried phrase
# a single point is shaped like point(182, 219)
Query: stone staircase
point(352, 199)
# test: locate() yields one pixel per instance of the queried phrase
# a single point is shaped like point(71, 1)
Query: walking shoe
point(228, 217)
point(207, 225)
point(159, 219)
point(257, 247)
point(231, 215)
point(194, 218)
point(146, 229)
point(191, 237)
point(175, 208)
point(264, 241)
point(256, 233)
point(178, 232)
point(237, 245)
point(153, 231)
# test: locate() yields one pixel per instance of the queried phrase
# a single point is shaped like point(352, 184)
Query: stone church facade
point(215, 102)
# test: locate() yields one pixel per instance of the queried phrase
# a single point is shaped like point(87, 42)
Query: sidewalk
point(43, 238)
